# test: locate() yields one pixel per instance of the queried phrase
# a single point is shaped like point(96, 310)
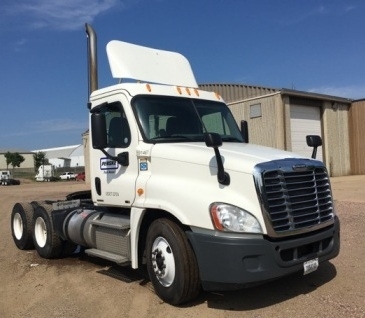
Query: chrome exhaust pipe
point(92, 59)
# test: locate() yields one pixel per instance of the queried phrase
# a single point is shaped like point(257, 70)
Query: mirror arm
point(122, 158)
point(214, 140)
point(223, 177)
point(314, 153)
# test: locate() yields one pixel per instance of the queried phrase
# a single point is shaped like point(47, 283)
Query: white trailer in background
point(45, 173)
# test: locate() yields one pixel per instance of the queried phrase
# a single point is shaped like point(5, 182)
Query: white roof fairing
point(130, 61)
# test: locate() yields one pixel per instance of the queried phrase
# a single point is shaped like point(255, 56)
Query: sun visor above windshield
point(130, 61)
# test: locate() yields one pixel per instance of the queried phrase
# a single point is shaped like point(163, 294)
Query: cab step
point(116, 258)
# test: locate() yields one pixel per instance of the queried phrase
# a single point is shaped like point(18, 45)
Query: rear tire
point(46, 241)
point(22, 225)
point(171, 263)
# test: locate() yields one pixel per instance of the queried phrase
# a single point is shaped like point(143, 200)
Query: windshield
point(171, 119)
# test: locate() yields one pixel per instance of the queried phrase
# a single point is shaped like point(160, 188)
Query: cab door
point(114, 182)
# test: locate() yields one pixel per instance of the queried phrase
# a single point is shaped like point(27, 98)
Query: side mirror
point(244, 131)
point(98, 131)
point(214, 141)
point(314, 141)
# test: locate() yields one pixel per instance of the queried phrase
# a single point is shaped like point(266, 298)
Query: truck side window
point(118, 131)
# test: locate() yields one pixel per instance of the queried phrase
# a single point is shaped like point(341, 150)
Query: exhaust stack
point(92, 59)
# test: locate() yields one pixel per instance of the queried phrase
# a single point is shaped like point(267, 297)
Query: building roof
point(59, 152)
point(312, 95)
point(18, 150)
point(238, 92)
point(235, 92)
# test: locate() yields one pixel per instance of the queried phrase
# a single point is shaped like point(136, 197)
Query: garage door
point(304, 120)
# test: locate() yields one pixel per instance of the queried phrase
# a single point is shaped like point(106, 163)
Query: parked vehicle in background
point(5, 175)
point(45, 173)
point(80, 176)
point(6, 178)
point(68, 176)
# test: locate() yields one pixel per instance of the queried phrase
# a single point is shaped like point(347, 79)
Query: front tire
point(22, 225)
point(171, 263)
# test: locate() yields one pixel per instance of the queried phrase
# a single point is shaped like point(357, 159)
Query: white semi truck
point(6, 178)
point(177, 190)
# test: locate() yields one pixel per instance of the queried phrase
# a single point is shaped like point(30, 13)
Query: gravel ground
point(81, 286)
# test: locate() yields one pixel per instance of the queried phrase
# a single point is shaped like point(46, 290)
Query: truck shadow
point(252, 298)
point(271, 293)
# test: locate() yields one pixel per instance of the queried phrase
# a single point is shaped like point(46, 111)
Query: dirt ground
point(81, 286)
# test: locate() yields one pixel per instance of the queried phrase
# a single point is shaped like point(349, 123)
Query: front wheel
point(171, 263)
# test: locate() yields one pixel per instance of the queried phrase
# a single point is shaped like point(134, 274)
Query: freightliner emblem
point(300, 167)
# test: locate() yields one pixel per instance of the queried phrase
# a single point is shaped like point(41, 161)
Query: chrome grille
point(295, 198)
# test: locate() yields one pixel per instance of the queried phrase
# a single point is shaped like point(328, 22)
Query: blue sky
point(311, 45)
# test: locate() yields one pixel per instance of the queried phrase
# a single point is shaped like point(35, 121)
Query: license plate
point(310, 266)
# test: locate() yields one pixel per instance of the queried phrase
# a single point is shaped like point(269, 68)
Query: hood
point(236, 156)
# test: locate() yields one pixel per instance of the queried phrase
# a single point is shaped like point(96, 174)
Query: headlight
point(231, 218)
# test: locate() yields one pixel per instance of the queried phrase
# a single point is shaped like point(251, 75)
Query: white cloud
point(53, 125)
point(304, 15)
point(20, 44)
point(60, 14)
point(350, 8)
point(48, 126)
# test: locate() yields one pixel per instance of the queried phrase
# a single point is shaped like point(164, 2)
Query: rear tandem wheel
point(47, 242)
point(22, 225)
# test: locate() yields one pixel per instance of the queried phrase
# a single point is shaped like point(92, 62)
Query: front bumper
point(234, 263)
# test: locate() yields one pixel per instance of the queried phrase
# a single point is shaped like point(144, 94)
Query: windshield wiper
point(172, 137)
point(231, 139)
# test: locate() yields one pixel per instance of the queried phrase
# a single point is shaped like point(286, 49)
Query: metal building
point(65, 157)
point(357, 133)
point(281, 118)
point(28, 163)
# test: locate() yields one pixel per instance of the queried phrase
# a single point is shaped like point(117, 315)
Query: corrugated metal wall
point(335, 124)
point(265, 118)
point(357, 133)
point(237, 92)
point(269, 125)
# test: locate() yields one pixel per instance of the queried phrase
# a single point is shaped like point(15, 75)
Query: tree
point(8, 156)
point(13, 158)
point(39, 159)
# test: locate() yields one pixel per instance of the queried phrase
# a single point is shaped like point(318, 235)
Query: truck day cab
point(6, 178)
point(175, 189)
